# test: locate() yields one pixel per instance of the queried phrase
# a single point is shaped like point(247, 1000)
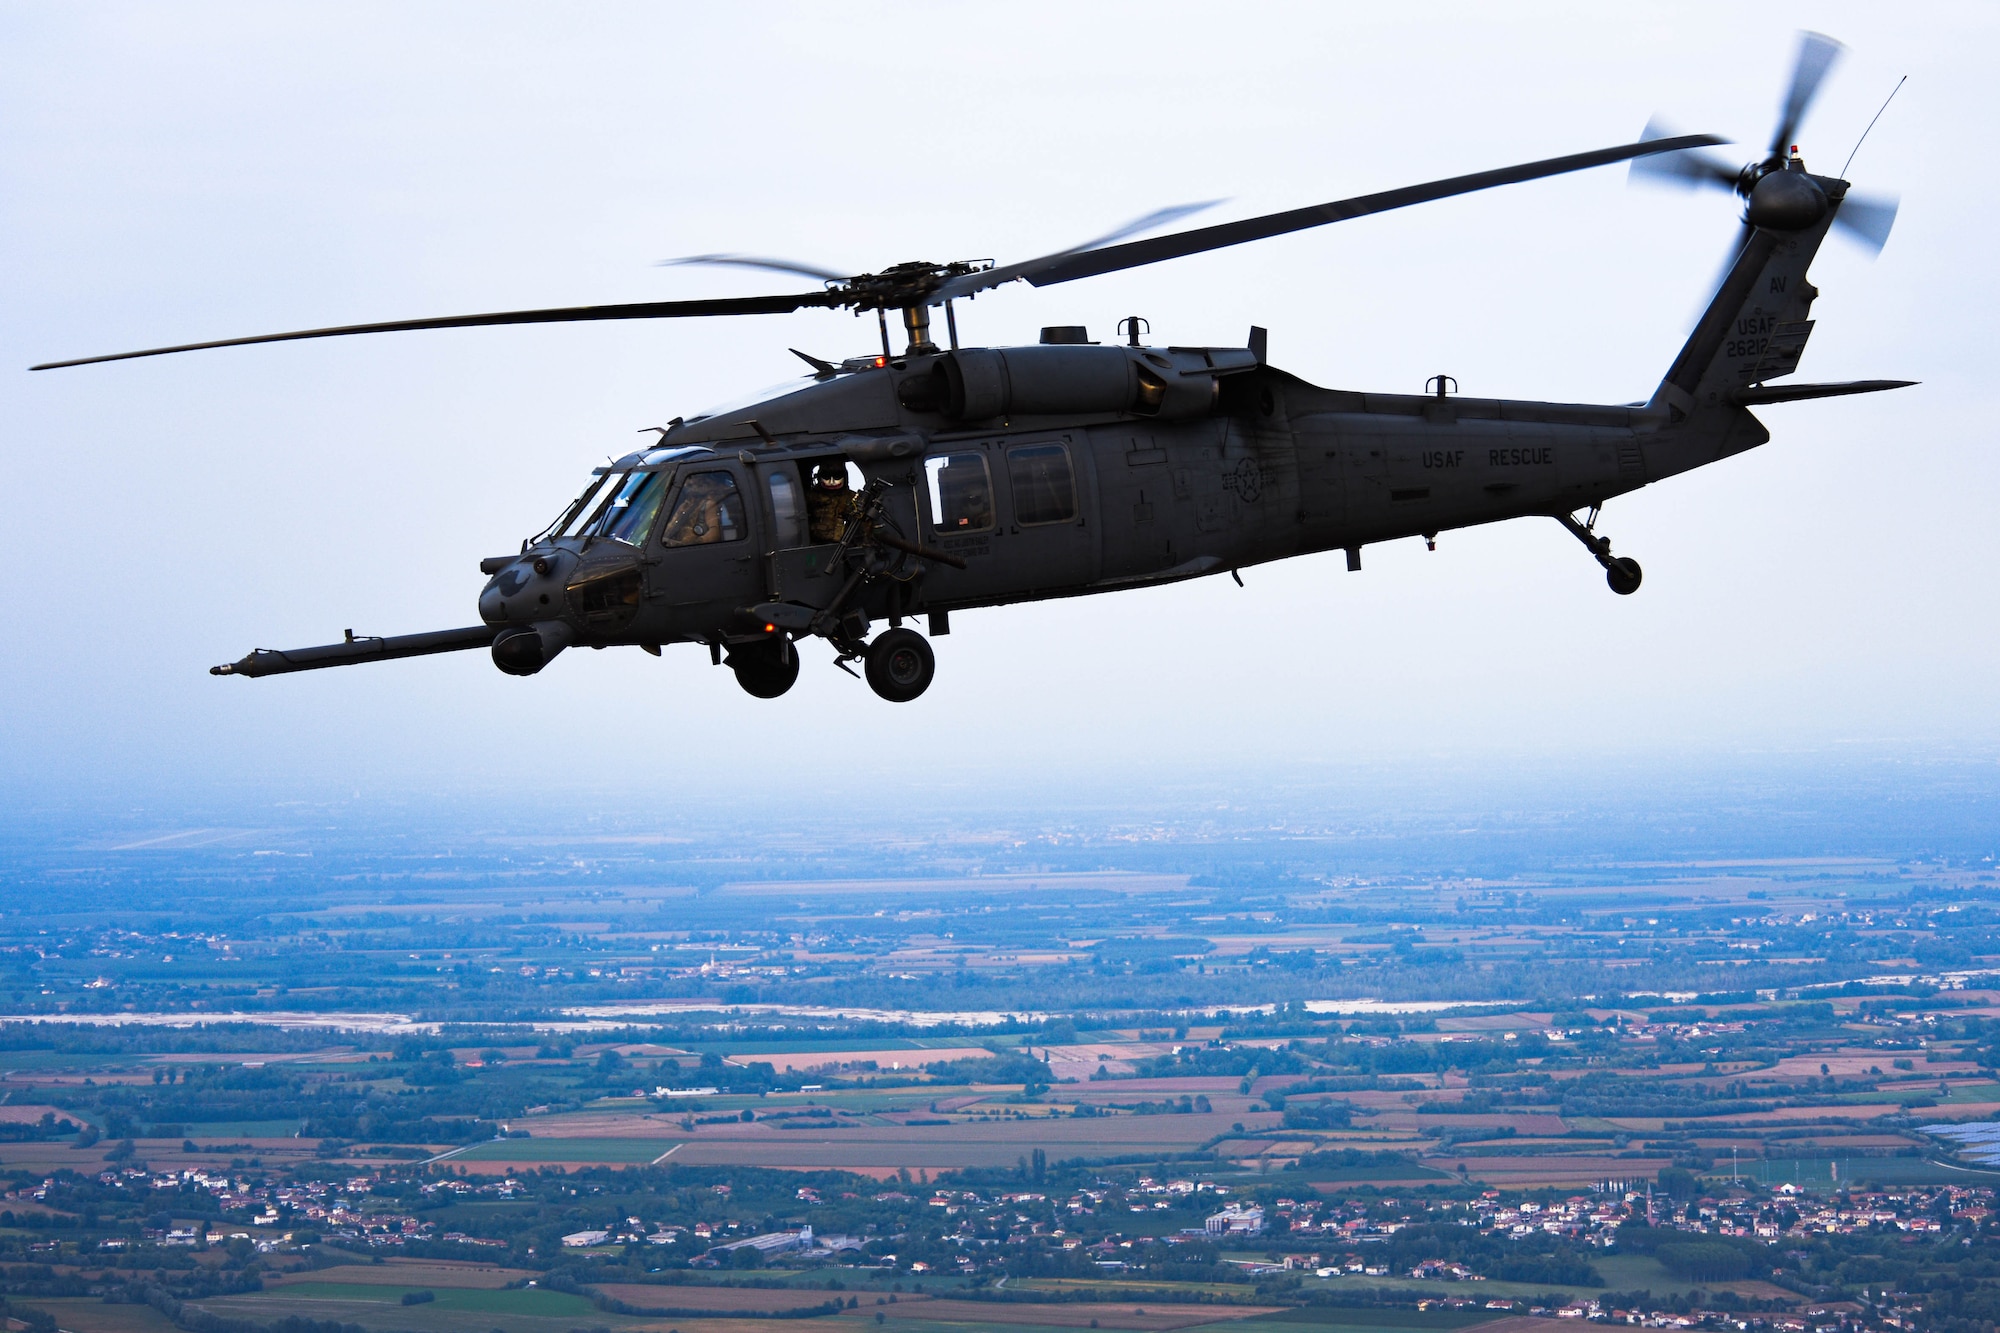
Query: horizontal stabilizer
point(275, 662)
point(1791, 393)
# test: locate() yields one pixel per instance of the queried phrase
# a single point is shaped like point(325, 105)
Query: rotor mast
point(917, 323)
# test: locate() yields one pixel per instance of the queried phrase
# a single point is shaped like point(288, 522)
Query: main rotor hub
point(903, 286)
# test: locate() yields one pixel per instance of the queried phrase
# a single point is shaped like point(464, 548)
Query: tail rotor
point(1865, 218)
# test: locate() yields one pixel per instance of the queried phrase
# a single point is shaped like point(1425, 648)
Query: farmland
point(1060, 1101)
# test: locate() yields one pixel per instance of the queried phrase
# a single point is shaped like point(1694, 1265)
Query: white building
point(1236, 1220)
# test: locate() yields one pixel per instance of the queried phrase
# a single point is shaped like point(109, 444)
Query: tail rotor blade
point(1867, 218)
point(1817, 53)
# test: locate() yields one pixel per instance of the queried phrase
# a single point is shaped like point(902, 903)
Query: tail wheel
point(900, 665)
point(1623, 574)
point(765, 668)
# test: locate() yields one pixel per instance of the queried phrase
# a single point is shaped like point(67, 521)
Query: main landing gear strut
point(1621, 572)
point(898, 664)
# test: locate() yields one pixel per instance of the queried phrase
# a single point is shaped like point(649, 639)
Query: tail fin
point(1755, 329)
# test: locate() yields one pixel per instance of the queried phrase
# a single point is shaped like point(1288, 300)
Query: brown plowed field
point(1847, 1064)
point(27, 1114)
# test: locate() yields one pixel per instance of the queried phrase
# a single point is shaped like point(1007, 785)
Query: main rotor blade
point(1817, 52)
point(754, 261)
point(968, 283)
point(1111, 259)
point(1867, 218)
point(1159, 217)
point(734, 305)
point(1686, 169)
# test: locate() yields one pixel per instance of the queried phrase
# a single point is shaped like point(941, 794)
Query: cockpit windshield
point(633, 502)
point(631, 499)
point(565, 522)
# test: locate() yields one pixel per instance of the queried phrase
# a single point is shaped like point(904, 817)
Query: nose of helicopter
point(525, 589)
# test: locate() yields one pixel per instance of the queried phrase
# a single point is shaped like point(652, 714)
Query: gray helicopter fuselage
point(1104, 468)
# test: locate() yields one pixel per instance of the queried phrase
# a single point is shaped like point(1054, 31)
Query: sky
point(179, 172)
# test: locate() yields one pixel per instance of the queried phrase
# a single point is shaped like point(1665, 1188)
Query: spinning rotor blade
point(1817, 52)
point(1867, 218)
point(1159, 217)
point(1744, 231)
point(1687, 170)
point(753, 261)
point(737, 305)
point(1133, 254)
point(968, 283)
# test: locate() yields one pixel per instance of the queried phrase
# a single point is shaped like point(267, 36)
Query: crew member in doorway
point(828, 502)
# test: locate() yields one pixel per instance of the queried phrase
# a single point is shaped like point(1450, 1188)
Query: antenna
point(1871, 124)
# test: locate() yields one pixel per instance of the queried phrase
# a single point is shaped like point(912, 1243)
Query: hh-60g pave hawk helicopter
point(996, 475)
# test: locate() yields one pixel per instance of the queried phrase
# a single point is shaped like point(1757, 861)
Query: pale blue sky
point(178, 172)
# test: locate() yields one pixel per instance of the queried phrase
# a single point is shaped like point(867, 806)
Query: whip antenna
point(1871, 124)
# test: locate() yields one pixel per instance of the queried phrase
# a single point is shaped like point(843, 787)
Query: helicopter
point(902, 486)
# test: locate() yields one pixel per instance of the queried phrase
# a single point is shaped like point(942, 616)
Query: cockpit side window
point(709, 509)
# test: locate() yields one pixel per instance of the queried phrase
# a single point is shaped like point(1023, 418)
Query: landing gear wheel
point(1623, 574)
point(900, 665)
point(765, 668)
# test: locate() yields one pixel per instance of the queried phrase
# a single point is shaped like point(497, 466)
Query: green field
point(623, 1151)
point(489, 1301)
point(1621, 1272)
point(241, 1129)
point(1129, 1289)
point(456, 1310)
point(89, 1315)
point(1817, 1172)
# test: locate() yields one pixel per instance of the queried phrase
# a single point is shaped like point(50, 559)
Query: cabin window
point(961, 492)
point(708, 510)
point(787, 515)
point(1044, 486)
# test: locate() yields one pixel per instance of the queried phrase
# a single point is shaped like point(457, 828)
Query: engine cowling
point(984, 383)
